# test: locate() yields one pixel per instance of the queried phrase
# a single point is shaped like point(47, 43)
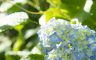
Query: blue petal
point(78, 56)
point(55, 38)
point(93, 57)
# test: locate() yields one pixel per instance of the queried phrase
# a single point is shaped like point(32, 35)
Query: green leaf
point(91, 20)
point(64, 9)
point(36, 57)
point(12, 56)
point(56, 12)
point(54, 3)
point(2, 56)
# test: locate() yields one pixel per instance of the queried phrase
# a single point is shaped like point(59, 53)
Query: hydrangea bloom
point(61, 40)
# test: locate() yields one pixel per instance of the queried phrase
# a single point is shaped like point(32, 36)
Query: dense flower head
point(61, 40)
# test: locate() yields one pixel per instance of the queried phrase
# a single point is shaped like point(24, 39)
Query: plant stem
point(17, 46)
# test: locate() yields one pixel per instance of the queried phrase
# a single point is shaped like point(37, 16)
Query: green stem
point(27, 11)
point(19, 42)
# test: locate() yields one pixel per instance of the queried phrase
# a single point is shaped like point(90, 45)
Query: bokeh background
point(20, 21)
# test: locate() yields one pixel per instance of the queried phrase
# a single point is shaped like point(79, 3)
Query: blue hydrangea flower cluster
point(61, 40)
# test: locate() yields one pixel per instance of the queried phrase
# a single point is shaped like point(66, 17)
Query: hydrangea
point(61, 40)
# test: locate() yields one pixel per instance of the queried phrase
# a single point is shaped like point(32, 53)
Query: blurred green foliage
point(23, 35)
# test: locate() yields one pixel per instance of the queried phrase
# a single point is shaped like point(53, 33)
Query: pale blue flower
point(61, 40)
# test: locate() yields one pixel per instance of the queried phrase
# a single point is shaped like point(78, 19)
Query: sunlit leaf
point(4, 43)
point(58, 13)
point(54, 3)
point(9, 6)
point(5, 6)
point(13, 19)
point(64, 9)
